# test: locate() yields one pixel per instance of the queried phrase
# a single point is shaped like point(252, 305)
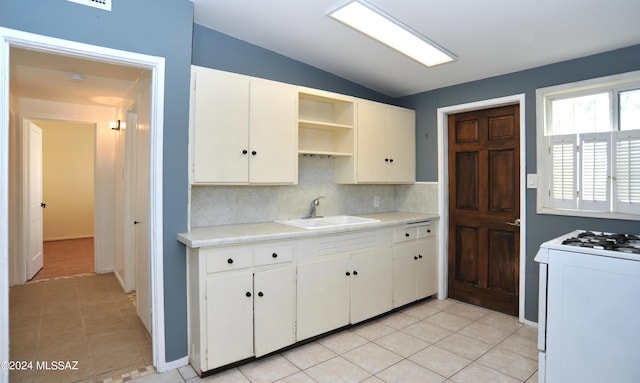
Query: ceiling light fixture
point(376, 24)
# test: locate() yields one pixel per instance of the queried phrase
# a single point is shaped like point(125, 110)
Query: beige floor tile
point(463, 345)
point(501, 321)
point(420, 311)
point(528, 332)
point(373, 330)
point(440, 361)
point(409, 372)
point(449, 321)
point(300, 377)
point(167, 377)
point(509, 363)
point(343, 341)
point(401, 343)
point(533, 378)
point(520, 345)
point(372, 357)
point(229, 376)
point(187, 372)
point(427, 332)
point(269, 369)
point(373, 379)
point(468, 311)
point(399, 320)
point(337, 370)
point(477, 373)
point(308, 355)
point(440, 304)
point(485, 333)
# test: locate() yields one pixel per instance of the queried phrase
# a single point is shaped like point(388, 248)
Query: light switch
point(532, 181)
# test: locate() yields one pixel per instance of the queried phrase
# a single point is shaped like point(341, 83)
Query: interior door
point(484, 207)
point(141, 220)
point(35, 259)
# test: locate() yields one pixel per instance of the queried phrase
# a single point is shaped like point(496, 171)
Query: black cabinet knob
point(229, 261)
point(260, 294)
point(419, 256)
point(248, 294)
point(428, 230)
point(390, 159)
point(386, 160)
point(245, 151)
point(274, 255)
point(355, 272)
point(415, 257)
point(347, 273)
point(407, 234)
point(253, 153)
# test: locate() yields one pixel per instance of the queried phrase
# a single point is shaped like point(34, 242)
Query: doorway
point(67, 198)
point(10, 39)
point(484, 211)
point(443, 188)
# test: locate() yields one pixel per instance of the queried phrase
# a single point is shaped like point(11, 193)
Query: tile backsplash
point(219, 205)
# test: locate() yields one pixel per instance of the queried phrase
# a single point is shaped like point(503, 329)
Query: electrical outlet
point(376, 201)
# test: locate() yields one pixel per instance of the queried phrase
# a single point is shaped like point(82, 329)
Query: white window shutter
point(627, 172)
point(594, 175)
point(562, 167)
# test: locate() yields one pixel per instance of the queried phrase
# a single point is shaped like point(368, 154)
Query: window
point(589, 147)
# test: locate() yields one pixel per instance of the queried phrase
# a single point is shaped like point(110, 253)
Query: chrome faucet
point(314, 205)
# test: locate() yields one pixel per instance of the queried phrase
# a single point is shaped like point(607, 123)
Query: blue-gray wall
point(539, 227)
point(158, 28)
point(216, 50)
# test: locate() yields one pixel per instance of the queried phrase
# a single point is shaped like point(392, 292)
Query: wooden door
point(484, 207)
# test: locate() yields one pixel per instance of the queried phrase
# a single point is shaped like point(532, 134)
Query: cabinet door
point(229, 319)
point(274, 133)
point(274, 304)
point(372, 148)
point(371, 284)
point(322, 296)
point(427, 270)
point(221, 127)
point(406, 261)
point(401, 141)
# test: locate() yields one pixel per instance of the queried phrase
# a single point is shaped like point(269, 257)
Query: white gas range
point(589, 305)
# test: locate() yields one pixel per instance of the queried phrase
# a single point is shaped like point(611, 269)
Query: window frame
point(613, 85)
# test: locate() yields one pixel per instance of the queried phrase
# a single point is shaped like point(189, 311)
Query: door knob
point(514, 223)
point(43, 205)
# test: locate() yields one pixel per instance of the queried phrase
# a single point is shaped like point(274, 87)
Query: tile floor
point(83, 318)
point(429, 342)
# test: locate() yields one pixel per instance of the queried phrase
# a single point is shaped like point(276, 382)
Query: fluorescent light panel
point(375, 24)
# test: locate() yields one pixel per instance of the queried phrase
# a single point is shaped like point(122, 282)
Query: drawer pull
point(274, 255)
point(407, 234)
point(229, 261)
point(248, 294)
point(260, 294)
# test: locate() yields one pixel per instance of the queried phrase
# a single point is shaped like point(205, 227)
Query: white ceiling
point(489, 38)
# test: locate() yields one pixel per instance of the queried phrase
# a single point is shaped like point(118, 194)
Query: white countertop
point(268, 231)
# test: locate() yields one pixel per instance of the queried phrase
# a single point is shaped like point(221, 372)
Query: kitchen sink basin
point(326, 222)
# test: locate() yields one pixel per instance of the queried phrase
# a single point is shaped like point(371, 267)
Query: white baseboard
point(173, 364)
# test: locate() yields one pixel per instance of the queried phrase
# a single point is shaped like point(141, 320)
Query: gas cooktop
point(625, 243)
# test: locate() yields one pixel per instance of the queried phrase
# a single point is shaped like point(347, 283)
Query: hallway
point(66, 258)
point(84, 318)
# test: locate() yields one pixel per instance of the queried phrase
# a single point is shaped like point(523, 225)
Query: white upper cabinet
point(386, 144)
point(243, 129)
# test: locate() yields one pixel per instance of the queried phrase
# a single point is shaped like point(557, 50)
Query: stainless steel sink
point(326, 222)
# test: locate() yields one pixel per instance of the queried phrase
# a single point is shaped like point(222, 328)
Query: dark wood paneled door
point(484, 207)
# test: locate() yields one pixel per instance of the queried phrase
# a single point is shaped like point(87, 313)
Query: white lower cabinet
point(274, 309)
point(371, 284)
point(415, 269)
point(253, 299)
point(323, 296)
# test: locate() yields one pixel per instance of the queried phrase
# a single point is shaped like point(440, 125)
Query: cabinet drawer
point(269, 255)
point(226, 259)
point(426, 231)
point(403, 234)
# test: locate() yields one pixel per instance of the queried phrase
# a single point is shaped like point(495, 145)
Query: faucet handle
point(316, 201)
